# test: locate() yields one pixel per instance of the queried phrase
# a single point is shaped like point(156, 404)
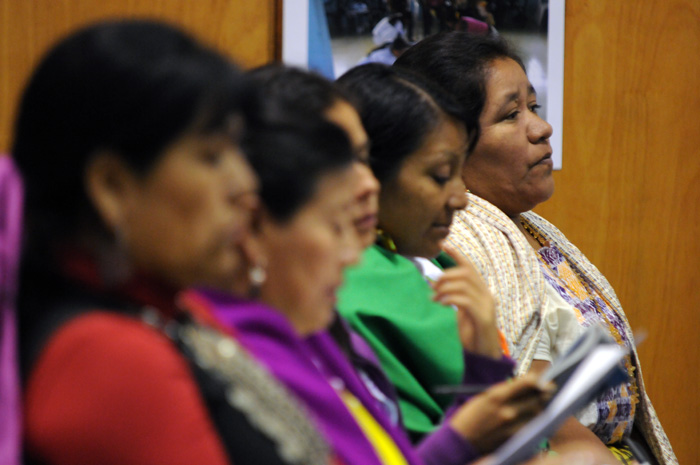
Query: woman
point(418, 144)
point(127, 141)
point(303, 262)
point(547, 290)
point(304, 239)
point(289, 90)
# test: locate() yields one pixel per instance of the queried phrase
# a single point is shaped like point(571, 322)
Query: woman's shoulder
point(381, 275)
point(102, 354)
point(105, 379)
point(104, 336)
point(379, 265)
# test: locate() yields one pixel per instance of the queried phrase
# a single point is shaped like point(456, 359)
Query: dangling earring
point(257, 275)
point(384, 240)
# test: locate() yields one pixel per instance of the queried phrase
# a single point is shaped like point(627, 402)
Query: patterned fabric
point(251, 390)
point(510, 266)
point(616, 406)
point(646, 419)
point(622, 454)
point(506, 261)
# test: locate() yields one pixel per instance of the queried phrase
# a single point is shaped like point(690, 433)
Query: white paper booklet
point(591, 365)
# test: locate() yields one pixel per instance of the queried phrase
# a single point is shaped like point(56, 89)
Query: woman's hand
point(462, 287)
point(489, 419)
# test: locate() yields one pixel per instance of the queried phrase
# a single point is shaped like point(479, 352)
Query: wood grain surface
point(243, 29)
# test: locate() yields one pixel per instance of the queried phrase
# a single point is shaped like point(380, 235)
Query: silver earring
point(257, 275)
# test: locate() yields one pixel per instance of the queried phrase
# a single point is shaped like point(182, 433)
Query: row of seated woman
point(265, 267)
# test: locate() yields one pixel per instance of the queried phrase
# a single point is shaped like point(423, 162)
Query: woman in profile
point(547, 290)
point(128, 143)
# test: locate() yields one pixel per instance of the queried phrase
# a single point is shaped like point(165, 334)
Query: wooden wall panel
point(243, 29)
point(629, 192)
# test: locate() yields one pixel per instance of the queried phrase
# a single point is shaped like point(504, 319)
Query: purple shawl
point(11, 195)
point(308, 371)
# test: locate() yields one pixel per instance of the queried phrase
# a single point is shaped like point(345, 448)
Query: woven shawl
point(509, 265)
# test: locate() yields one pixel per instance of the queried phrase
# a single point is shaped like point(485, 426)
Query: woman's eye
point(212, 157)
point(512, 115)
point(362, 156)
point(441, 180)
point(535, 107)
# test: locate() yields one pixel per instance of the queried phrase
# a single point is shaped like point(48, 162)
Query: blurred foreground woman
point(128, 144)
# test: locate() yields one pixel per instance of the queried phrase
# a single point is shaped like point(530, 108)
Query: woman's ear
point(108, 182)
point(254, 249)
point(254, 254)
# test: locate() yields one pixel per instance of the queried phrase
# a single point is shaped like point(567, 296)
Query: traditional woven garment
point(506, 261)
point(616, 406)
point(511, 268)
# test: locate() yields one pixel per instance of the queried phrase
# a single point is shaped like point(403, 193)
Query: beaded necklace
point(540, 240)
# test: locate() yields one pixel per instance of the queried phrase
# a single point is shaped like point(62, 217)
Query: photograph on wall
point(345, 33)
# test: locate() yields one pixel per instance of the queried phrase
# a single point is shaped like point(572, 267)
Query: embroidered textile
point(616, 407)
point(646, 419)
point(511, 268)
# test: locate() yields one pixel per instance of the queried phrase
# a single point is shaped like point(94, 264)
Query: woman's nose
point(350, 248)
point(367, 184)
point(539, 130)
point(458, 196)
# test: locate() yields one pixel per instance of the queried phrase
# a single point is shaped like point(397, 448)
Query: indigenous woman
point(418, 142)
point(128, 143)
point(547, 291)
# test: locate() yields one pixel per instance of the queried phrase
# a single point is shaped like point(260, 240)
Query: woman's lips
point(441, 229)
point(366, 222)
point(546, 160)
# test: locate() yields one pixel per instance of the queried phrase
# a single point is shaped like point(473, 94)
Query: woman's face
point(367, 187)
point(308, 253)
point(184, 221)
point(511, 165)
point(417, 205)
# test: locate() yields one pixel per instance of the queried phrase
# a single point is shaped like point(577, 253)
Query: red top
point(108, 389)
point(93, 397)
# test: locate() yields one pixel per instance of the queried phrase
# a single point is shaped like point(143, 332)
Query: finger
point(513, 389)
point(469, 281)
point(444, 288)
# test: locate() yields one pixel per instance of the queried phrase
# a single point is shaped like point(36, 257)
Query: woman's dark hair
point(127, 87)
point(130, 88)
point(398, 109)
point(292, 145)
point(287, 89)
point(459, 63)
point(291, 157)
